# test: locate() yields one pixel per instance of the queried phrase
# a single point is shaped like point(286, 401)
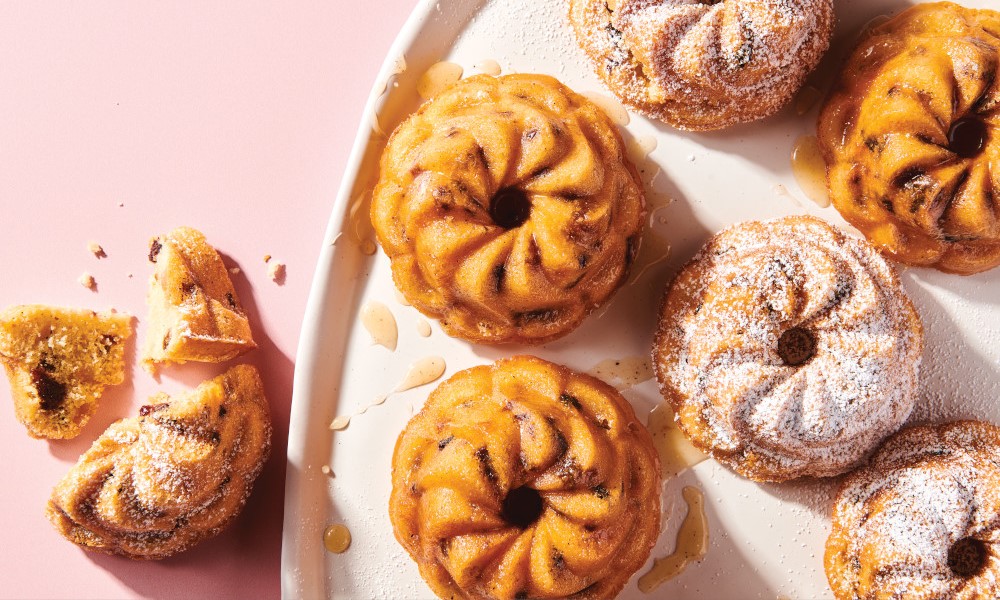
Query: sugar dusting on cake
point(704, 65)
point(719, 356)
point(154, 485)
point(926, 490)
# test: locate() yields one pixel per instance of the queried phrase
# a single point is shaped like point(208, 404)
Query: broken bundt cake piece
point(58, 361)
point(154, 485)
point(194, 313)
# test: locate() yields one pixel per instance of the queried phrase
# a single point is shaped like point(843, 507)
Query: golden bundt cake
point(525, 480)
point(788, 349)
point(922, 520)
point(508, 209)
point(909, 138)
point(58, 361)
point(194, 313)
point(703, 64)
point(154, 485)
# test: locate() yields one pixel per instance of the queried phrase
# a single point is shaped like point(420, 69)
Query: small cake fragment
point(58, 361)
point(194, 313)
point(276, 271)
point(178, 473)
point(96, 250)
point(87, 280)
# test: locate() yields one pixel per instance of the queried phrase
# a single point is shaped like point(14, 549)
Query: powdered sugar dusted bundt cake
point(922, 520)
point(153, 485)
point(788, 349)
point(703, 64)
point(508, 209)
point(524, 479)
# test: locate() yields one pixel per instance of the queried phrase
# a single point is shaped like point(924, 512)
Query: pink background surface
point(121, 120)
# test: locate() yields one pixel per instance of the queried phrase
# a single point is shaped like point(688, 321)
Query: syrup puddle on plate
point(423, 328)
point(381, 324)
point(692, 544)
point(782, 192)
point(654, 250)
point(343, 421)
point(623, 373)
point(424, 371)
point(439, 77)
point(399, 67)
point(677, 454)
point(807, 99)
point(640, 148)
point(611, 107)
point(337, 538)
point(361, 229)
point(638, 151)
point(487, 67)
point(809, 169)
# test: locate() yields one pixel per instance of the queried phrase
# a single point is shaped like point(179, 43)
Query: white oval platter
point(766, 541)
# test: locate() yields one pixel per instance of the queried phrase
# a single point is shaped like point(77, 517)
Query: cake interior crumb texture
point(58, 361)
point(194, 311)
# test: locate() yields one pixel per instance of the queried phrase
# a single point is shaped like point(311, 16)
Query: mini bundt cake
point(58, 361)
point(508, 209)
point(788, 349)
point(704, 64)
point(194, 313)
point(922, 520)
point(154, 485)
point(525, 480)
point(909, 135)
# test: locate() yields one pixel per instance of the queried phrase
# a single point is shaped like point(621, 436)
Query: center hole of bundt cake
point(967, 557)
point(796, 346)
point(510, 208)
point(522, 507)
point(967, 137)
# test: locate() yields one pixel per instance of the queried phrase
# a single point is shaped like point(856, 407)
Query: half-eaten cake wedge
point(194, 313)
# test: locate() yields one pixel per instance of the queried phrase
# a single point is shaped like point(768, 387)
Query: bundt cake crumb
point(87, 280)
point(96, 249)
point(58, 361)
point(276, 271)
